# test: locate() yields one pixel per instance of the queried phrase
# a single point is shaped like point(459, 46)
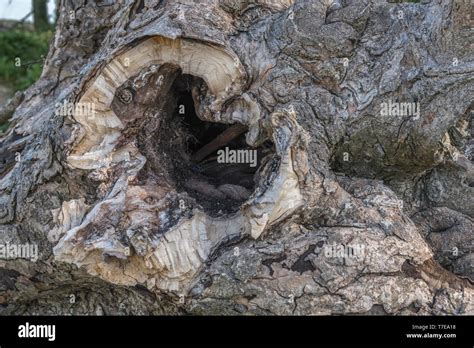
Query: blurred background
point(26, 28)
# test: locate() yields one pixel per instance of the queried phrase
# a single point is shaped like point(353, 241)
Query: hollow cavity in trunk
point(211, 162)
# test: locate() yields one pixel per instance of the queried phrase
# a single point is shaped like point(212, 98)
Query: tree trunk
point(334, 196)
point(40, 15)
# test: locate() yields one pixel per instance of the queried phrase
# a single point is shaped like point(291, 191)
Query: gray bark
point(123, 223)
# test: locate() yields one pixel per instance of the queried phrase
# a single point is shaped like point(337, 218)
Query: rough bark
point(127, 222)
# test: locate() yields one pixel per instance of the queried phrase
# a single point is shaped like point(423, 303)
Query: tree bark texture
point(129, 220)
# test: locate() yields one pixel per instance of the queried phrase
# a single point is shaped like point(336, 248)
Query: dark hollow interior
point(171, 136)
point(208, 170)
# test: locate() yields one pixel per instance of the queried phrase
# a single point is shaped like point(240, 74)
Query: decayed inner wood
point(157, 107)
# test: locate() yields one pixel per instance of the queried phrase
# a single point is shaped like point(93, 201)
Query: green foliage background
point(29, 47)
